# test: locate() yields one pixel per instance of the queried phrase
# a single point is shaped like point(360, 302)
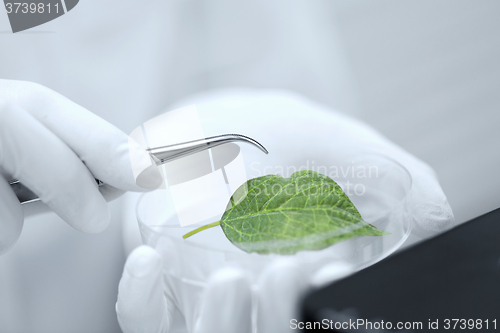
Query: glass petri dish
point(377, 185)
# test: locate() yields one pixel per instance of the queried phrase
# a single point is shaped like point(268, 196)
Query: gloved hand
point(56, 148)
point(145, 303)
point(282, 122)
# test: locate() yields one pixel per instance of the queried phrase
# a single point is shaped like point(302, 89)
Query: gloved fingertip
point(228, 279)
point(331, 273)
point(227, 274)
point(280, 277)
point(144, 167)
point(431, 214)
point(284, 263)
point(150, 178)
point(283, 270)
point(143, 261)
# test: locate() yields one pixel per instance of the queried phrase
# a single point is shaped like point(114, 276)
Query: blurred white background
point(425, 73)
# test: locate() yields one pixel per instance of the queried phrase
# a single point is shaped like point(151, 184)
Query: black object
point(452, 278)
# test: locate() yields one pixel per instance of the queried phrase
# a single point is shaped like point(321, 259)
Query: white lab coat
point(127, 61)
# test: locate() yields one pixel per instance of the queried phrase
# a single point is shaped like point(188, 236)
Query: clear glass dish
point(377, 185)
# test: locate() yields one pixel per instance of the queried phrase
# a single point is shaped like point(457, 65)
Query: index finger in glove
point(104, 149)
point(34, 155)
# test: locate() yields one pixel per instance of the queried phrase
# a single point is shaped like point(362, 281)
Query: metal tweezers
point(161, 155)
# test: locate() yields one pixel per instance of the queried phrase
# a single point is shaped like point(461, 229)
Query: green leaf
point(307, 211)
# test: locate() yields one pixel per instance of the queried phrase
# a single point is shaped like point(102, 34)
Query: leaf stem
point(195, 231)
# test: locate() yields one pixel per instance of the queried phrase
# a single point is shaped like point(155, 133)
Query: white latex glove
point(144, 304)
point(286, 124)
point(56, 148)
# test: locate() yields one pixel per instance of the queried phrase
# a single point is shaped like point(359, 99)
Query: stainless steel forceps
point(161, 155)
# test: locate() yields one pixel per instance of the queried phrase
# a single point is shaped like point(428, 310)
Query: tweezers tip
point(253, 141)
